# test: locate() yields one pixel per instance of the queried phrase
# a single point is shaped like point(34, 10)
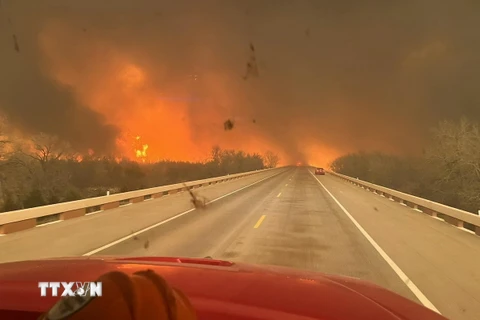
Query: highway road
point(287, 217)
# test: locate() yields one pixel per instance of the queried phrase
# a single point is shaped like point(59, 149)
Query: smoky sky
point(348, 75)
point(30, 99)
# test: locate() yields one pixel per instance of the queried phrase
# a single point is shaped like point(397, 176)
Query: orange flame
point(124, 89)
point(140, 149)
point(143, 152)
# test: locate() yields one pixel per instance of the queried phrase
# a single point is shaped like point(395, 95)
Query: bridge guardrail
point(457, 217)
point(18, 220)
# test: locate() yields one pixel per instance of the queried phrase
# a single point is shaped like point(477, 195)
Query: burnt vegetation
point(45, 170)
point(448, 171)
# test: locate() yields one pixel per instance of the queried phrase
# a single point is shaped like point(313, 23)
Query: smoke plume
point(307, 79)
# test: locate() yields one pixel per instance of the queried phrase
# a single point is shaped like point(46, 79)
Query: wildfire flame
point(125, 91)
point(142, 153)
point(140, 149)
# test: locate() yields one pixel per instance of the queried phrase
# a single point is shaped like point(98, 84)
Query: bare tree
point(41, 150)
point(455, 151)
point(271, 159)
point(46, 148)
point(3, 142)
point(4, 139)
point(216, 154)
point(13, 178)
point(456, 147)
point(44, 157)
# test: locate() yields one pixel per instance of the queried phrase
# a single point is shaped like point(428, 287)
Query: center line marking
point(111, 244)
point(279, 194)
point(259, 222)
point(405, 279)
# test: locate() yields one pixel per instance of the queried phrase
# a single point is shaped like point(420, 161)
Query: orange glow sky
point(122, 90)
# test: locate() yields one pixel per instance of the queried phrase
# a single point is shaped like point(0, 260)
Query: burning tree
point(271, 159)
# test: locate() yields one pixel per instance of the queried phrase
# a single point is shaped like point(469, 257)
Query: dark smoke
point(346, 74)
point(32, 100)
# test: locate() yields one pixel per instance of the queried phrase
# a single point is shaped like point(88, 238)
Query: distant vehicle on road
point(320, 171)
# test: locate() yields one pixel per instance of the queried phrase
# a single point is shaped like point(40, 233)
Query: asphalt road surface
point(291, 218)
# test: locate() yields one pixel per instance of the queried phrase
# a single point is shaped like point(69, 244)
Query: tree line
point(448, 170)
point(45, 170)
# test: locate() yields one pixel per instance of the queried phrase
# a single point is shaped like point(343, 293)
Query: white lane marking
point(467, 230)
point(124, 205)
point(111, 244)
point(94, 212)
point(48, 223)
point(408, 282)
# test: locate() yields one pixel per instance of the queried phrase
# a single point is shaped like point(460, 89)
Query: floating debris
point(196, 201)
point(228, 125)
point(252, 67)
point(135, 237)
point(15, 43)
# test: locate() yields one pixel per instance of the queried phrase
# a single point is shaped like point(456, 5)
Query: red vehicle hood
point(217, 289)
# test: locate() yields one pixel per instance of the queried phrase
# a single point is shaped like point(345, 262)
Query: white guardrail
point(18, 220)
point(459, 218)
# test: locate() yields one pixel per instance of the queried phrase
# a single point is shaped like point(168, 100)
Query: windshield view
point(255, 159)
